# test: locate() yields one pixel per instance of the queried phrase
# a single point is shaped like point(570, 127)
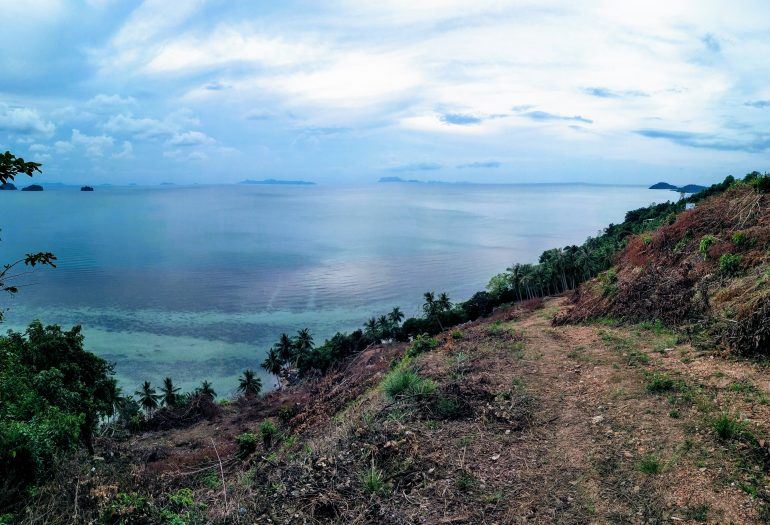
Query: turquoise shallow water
point(197, 282)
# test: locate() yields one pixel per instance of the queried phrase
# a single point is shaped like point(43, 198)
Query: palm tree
point(371, 328)
point(285, 348)
point(429, 307)
point(249, 385)
point(169, 393)
point(444, 303)
point(385, 326)
point(148, 399)
point(272, 362)
point(206, 390)
point(396, 315)
point(304, 340)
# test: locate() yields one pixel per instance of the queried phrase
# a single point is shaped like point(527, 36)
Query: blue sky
point(351, 90)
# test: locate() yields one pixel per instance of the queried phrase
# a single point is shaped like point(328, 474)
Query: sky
point(348, 91)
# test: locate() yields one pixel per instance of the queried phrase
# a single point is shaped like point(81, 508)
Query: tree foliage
point(52, 394)
point(11, 166)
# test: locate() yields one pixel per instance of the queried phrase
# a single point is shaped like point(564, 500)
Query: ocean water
point(197, 282)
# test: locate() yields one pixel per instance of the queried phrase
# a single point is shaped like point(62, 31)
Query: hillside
point(707, 272)
point(507, 420)
point(629, 400)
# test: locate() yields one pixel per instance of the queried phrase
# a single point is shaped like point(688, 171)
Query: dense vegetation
point(52, 395)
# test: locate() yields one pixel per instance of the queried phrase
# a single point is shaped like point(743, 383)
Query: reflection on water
point(196, 282)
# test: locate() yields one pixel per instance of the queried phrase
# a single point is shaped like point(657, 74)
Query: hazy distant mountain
point(276, 181)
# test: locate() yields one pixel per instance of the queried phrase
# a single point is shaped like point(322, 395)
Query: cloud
point(481, 164)
point(103, 102)
point(416, 166)
point(754, 143)
point(759, 104)
point(90, 145)
point(602, 92)
point(142, 128)
point(190, 139)
point(545, 116)
point(24, 121)
point(126, 152)
point(460, 119)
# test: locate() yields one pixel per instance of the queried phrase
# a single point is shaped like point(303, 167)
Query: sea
point(197, 282)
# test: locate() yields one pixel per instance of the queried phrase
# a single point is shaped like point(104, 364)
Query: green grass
point(661, 383)
point(406, 383)
point(372, 481)
point(465, 481)
point(726, 427)
point(649, 464)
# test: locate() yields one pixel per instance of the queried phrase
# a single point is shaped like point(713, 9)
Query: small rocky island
point(8, 186)
point(87, 188)
point(32, 187)
point(689, 188)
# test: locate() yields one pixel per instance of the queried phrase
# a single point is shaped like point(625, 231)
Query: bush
point(706, 242)
point(247, 443)
point(269, 432)
point(740, 239)
point(457, 335)
point(52, 394)
point(730, 263)
point(422, 343)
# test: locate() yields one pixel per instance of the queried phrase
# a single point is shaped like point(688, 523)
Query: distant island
point(279, 182)
point(398, 179)
point(7, 186)
point(32, 187)
point(689, 188)
point(87, 188)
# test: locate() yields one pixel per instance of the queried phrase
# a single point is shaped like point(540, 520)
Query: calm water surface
point(197, 282)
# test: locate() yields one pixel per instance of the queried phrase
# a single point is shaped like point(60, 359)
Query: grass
point(726, 427)
point(649, 464)
point(465, 481)
point(372, 481)
point(406, 383)
point(661, 383)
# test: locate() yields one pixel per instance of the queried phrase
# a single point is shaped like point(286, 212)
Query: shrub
point(706, 242)
point(457, 335)
point(52, 394)
point(421, 344)
point(269, 432)
point(247, 443)
point(740, 239)
point(730, 263)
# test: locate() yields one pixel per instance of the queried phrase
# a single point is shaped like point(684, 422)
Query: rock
point(87, 188)
point(7, 186)
point(597, 419)
point(32, 187)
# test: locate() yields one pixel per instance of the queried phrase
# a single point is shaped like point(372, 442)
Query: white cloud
point(190, 138)
point(143, 128)
point(21, 121)
point(103, 102)
point(126, 151)
point(90, 145)
point(229, 45)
